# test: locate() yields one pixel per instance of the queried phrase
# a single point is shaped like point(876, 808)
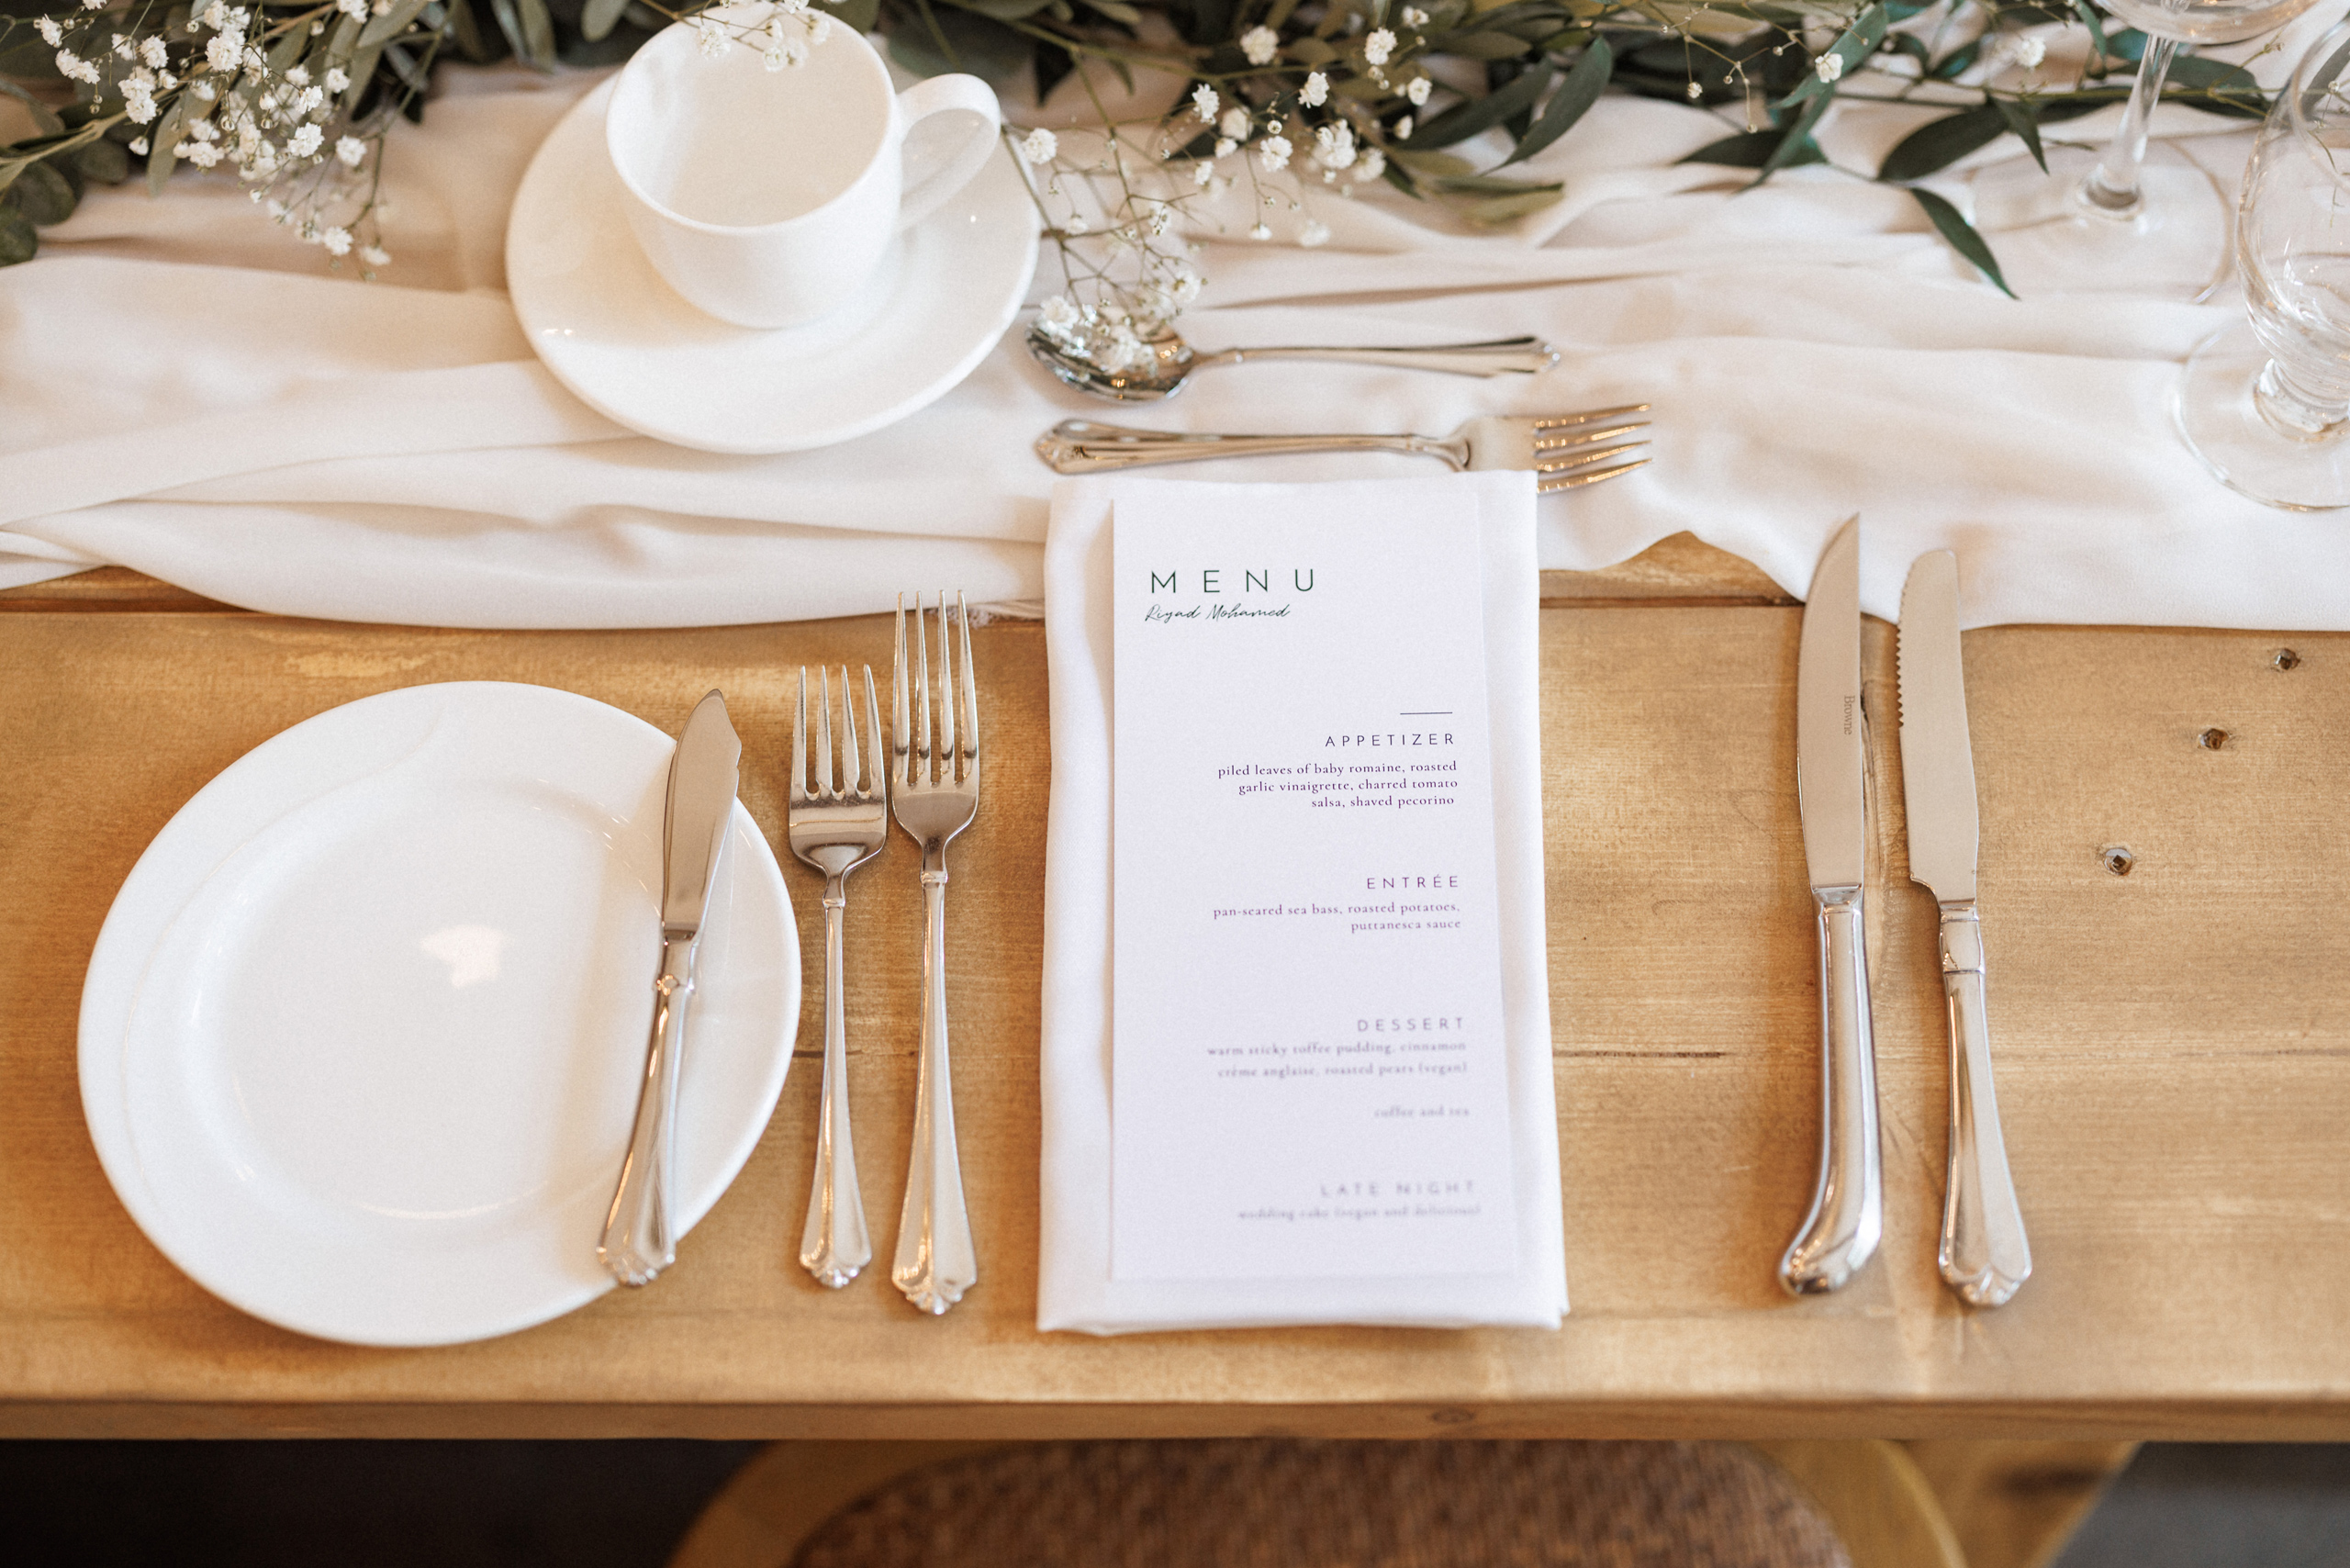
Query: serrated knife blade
point(640, 1232)
point(1984, 1254)
point(1847, 1215)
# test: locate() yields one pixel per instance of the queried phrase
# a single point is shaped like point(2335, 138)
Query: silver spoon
point(1173, 361)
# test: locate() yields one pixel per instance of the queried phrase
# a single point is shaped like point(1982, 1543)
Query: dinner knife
point(1984, 1254)
point(639, 1234)
point(1848, 1205)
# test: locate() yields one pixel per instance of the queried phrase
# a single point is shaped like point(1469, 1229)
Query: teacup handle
point(942, 95)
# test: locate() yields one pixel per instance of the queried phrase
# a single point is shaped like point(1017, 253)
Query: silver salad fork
point(934, 795)
point(835, 828)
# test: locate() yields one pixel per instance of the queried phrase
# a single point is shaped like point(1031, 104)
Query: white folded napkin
point(1075, 1291)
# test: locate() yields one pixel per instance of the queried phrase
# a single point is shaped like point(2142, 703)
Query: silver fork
point(835, 828)
point(935, 795)
point(1557, 446)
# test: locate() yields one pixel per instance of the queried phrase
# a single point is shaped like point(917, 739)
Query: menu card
point(1308, 1077)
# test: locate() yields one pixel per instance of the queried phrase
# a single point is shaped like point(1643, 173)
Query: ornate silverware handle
point(833, 1244)
point(1984, 1254)
point(1082, 446)
point(1848, 1206)
point(640, 1234)
point(1498, 357)
point(936, 1261)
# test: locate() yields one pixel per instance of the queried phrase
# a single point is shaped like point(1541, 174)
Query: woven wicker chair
point(1278, 1503)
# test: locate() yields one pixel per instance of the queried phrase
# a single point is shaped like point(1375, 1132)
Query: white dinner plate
point(620, 337)
point(362, 1035)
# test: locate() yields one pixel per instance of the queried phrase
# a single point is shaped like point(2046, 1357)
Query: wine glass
point(2131, 218)
point(2267, 403)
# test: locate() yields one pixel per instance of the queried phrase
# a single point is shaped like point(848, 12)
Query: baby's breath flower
point(355, 9)
point(299, 75)
point(1261, 232)
point(151, 53)
point(1076, 224)
point(1378, 47)
point(1223, 146)
point(711, 38)
point(50, 33)
point(1333, 145)
point(305, 141)
point(1202, 172)
point(1040, 146)
point(2027, 52)
point(1417, 90)
point(138, 145)
point(1273, 152)
point(1203, 102)
point(1234, 124)
point(1372, 165)
point(338, 80)
point(1415, 17)
point(1403, 129)
point(1829, 67)
point(1695, 92)
point(337, 240)
point(1259, 43)
point(1316, 91)
point(74, 68)
point(376, 256)
point(203, 154)
point(349, 149)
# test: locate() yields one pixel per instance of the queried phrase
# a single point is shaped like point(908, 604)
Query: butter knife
point(639, 1234)
point(1848, 1205)
point(1984, 1255)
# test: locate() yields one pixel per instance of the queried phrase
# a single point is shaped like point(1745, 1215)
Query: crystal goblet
point(2267, 403)
point(2132, 218)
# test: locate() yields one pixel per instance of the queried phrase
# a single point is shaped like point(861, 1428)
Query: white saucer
point(362, 1034)
point(616, 335)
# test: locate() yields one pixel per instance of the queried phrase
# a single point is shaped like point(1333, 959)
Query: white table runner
point(182, 390)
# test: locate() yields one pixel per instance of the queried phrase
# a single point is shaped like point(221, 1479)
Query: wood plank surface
point(2173, 1050)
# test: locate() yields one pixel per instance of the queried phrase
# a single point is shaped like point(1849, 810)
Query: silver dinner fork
point(935, 794)
point(835, 827)
point(1557, 446)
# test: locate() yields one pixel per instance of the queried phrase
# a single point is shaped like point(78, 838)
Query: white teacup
point(769, 197)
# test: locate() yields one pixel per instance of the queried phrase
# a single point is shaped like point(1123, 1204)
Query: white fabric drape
point(185, 389)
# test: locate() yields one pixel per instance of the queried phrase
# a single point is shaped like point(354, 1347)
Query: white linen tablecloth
point(185, 389)
point(1074, 1287)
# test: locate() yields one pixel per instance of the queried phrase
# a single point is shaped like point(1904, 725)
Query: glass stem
point(2111, 188)
point(2293, 410)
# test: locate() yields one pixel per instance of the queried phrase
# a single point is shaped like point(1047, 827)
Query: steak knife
point(640, 1233)
point(1984, 1254)
point(1848, 1205)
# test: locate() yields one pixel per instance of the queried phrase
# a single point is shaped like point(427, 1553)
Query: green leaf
point(1575, 94)
point(988, 49)
point(599, 18)
point(362, 70)
point(1858, 42)
point(160, 142)
point(1753, 150)
point(859, 14)
point(1501, 209)
point(1312, 51)
point(1958, 60)
point(1962, 237)
point(527, 29)
point(1797, 147)
point(288, 49)
point(1464, 120)
point(393, 22)
point(2088, 13)
point(2023, 118)
point(1117, 11)
point(1484, 46)
point(1939, 143)
point(42, 195)
point(18, 240)
point(466, 30)
point(1006, 10)
point(104, 162)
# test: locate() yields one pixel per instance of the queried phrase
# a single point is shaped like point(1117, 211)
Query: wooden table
point(2173, 1047)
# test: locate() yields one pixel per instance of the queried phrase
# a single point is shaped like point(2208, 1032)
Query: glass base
point(2222, 425)
point(2050, 241)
